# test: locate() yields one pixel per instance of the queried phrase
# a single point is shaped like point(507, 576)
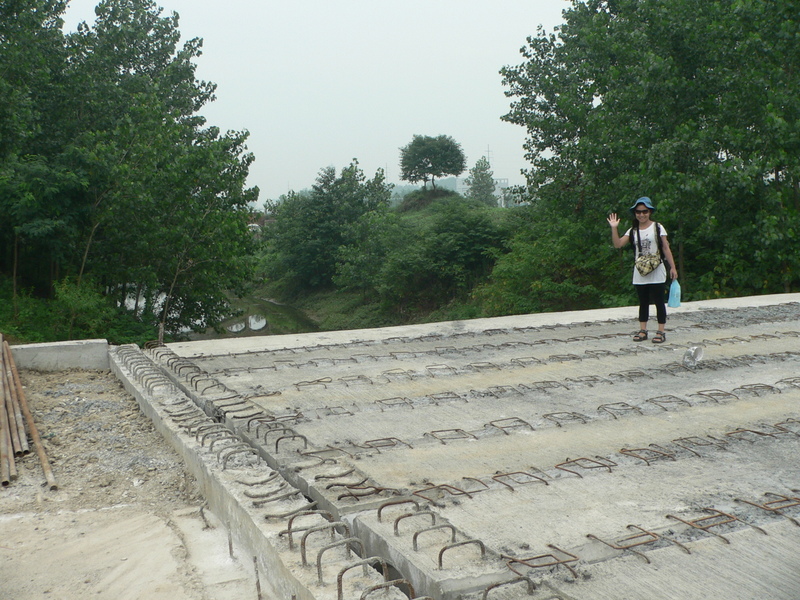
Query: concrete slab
point(58, 356)
point(464, 455)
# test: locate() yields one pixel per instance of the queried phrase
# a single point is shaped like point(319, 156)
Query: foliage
point(687, 103)
point(480, 182)
point(423, 260)
point(82, 309)
point(108, 175)
point(308, 229)
point(421, 199)
point(426, 158)
point(546, 267)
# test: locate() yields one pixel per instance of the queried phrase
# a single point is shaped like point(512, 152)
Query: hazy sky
point(320, 82)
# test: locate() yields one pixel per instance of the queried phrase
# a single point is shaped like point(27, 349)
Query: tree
point(309, 228)
point(480, 183)
point(114, 180)
point(687, 103)
point(426, 158)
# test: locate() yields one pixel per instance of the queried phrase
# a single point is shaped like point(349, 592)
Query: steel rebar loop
point(429, 513)
point(551, 560)
point(783, 426)
point(776, 506)
point(479, 543)
point(361, 563)
point(333, 475)
point(566, 417)
point(289, 494)
point(450, 434)
point(327, 515)
point(370, 490)
point(264, 481)
point(454, 491)
point(642, 454)
point(282, 486)
point(353, 484)
point(709, 441)
point(586, 463)
point(240, 448)
point(527, 580)
point(523, 474)
point(389, 442)
point(208, 429)
point(715, 519)
point(327, 526)
point(287, 514)
point(433, 528)
point(509, 423)
point(346, 543)
point(397, 502)
point(618, 407)
point(296, 436)
point(715, 395)
point(749, 432)
point(668, 400)
point(230, 437)
point(386, 585)
point(641, 538)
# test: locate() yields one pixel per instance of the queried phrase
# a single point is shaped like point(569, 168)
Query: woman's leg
point(657, 298)
point(644, 305)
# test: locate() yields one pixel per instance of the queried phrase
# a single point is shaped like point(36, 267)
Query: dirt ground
point(126, 521)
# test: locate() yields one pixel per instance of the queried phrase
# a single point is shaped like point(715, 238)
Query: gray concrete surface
point(464, 456)
point(78, 354)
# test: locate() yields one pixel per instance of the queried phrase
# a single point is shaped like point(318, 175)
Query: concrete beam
point(79, 354)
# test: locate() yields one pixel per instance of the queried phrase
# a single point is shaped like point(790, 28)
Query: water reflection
point(259, 316)
point(256, 322)
point(236, 327)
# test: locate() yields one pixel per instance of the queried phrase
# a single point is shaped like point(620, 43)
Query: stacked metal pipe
point(14, 415)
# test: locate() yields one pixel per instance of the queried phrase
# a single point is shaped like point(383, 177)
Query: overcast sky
point(320, 82)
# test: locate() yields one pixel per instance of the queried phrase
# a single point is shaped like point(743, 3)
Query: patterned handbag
point(647, 263)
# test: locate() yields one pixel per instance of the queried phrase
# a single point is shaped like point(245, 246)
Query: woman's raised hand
point(613, 220)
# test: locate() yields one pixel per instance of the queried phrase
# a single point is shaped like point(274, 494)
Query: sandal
point(659, 337)
point(641, 336)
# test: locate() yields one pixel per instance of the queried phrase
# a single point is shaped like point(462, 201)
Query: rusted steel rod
point(34, 433)
point(6, 457)
point(12, 424)
point(6, 451)
point(15, 406)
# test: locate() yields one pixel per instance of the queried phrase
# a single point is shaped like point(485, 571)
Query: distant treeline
point(113, 188)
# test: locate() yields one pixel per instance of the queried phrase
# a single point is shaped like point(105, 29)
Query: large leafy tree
point(425, 158)
point(128, 190)
point(686, 102)
point(32, 59)
point(307, 229)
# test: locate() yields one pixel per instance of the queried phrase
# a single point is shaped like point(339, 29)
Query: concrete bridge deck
point(536, 456)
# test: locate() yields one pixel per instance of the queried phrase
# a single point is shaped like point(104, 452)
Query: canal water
point(259, 316)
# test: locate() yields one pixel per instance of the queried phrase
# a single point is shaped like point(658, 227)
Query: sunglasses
point(641, 212)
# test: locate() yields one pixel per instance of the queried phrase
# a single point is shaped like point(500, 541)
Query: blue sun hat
point(643, 200)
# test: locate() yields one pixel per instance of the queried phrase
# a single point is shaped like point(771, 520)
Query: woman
point(648, 237)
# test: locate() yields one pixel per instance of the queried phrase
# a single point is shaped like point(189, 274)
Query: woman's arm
point(673, 270)
point(618, 241)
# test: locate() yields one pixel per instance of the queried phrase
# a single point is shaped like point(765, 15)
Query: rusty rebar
point(34, 433)
point(15, 409)
point(10, 421)
point(6, 451)
point(548, 560)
